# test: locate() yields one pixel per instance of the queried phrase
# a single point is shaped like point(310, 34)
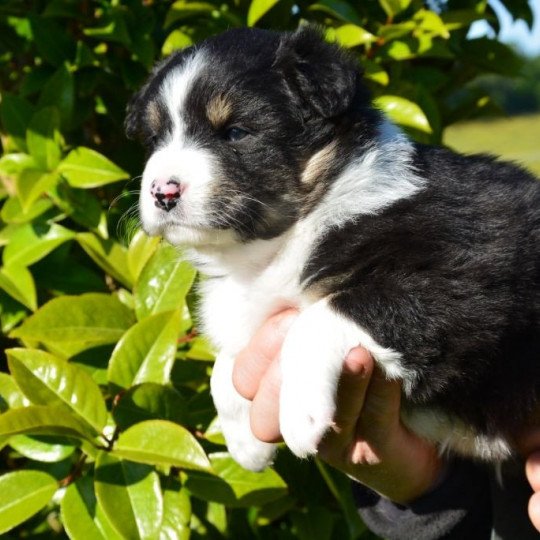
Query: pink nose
point(166, 193)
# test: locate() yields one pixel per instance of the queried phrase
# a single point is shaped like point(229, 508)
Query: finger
point(253, 361)
point(352, 387)
point(264, 413)
point(532, 470)
point(534, 510)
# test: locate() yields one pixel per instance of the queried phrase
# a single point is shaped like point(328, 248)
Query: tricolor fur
point(287, 188)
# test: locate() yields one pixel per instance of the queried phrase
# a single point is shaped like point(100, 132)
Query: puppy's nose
point(166, 193)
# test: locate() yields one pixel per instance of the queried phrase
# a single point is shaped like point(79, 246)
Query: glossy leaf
point(259, 8)
point(78, 510)
point(59, 92)
point(10, 394)
point(150, 401)
point(33, 183)
point(175, 40)
point(163, 283)
point(86, 168)
point(159, 442)
point(141, 248)
point(13, 212)
point(235, 486)
point(44, 448)
point(47, 380)
point(18, 282)
point(130, 496)
point(351, 35)
point(24, 493)
point(183, 9)
point(146, 352)
point(404, 112)
point(108, 254)
point(43, 139)
point(92, 318)
point(33, 241)
point(43, 420)
point(176, 511)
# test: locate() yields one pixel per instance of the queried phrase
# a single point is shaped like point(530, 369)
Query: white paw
point(249, 452)
point(311, 362)
point(307, 415)
point(233, 413)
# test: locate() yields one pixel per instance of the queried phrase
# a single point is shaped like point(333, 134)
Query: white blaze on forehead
point(177, 86)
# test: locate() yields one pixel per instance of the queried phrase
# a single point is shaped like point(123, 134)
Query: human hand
point(368, 441)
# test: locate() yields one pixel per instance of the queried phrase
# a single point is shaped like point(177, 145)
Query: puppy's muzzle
point(166, 193)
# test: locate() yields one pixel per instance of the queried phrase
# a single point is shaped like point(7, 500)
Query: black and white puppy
point(270, 166)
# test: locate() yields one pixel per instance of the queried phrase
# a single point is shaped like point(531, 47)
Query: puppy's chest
point(235, 306)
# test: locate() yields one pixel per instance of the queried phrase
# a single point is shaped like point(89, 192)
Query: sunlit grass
point(516, 139)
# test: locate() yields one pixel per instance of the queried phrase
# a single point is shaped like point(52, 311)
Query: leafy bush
point(107, 427)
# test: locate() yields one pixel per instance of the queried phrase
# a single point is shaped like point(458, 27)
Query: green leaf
point(176, 511)
point(86, 168)
point(235, 486)
point(78, 510)
point(59, 92)
point(33, 183)
point(13, 212)
point(15, 115)
point(175, 40)
point(108, 254)
point(394, 7)
point(13, 164)
point(163, 283)
point(53, 43)
point(48, 380)
point(141, 249)
point(33, 241)
point(183, 9)
point(18, 282)
point(259, 8)
point(24, 493)
point(43, 138)
point(10, 394)
point(146, 352)
point(43, 420)
point(404, 112)
point(150, 401)
point(492, 56)
point(339, 9)
point(159, 442)
point(44, 448)
point(351, 35)
point(91, 318)
point(130, 496)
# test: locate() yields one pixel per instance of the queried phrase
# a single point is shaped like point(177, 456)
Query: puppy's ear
point(321, 76)
point(134, 114)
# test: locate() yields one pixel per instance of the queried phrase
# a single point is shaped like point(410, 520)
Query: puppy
point(269, 165)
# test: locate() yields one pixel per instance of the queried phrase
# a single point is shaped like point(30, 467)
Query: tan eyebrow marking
point(218, 110)
point(153, 116)
point(319, 164)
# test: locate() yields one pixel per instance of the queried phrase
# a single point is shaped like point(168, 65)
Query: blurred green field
point(516, 139)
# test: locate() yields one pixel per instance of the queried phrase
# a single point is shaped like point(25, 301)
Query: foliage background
point(107, 427)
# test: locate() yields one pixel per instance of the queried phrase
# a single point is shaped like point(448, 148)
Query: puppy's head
point(244, 132)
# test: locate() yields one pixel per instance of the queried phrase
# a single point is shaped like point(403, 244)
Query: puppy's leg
point(233, 414)
point(311, 363)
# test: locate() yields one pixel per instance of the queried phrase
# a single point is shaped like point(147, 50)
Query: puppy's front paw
point(306, 414)
point(311, 362)
point(249, 452)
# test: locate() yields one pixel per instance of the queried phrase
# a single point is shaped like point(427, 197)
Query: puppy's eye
point(234, 134)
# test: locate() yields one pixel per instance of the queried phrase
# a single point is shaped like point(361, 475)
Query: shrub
point(107, 425)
